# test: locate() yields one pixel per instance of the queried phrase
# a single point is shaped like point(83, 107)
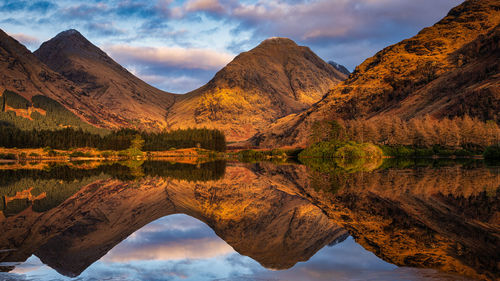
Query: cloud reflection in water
point(179, 247)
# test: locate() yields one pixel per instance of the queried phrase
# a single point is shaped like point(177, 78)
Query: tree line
point(68, 138)
point(455, 133)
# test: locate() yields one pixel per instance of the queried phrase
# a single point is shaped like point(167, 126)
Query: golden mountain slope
point(127, 100)
point(21, 72)
point(276, 78)
point(449, 69)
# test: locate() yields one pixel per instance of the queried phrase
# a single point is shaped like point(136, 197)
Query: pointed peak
point(68, 33)
point(340, 67)
point(69, 41)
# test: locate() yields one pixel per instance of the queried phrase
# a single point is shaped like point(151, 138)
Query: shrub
point(492, 152)
point(8, 156)
point(77, 154)
point(462, 152)
point(359, 151)
point(107, 154)
point(349, 150)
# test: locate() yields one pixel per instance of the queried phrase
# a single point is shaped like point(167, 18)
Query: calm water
point(396, 220)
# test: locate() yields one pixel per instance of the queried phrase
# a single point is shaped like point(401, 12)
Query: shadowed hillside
point(125, 100)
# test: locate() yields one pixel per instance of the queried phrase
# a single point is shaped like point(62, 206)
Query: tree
point(135, 149)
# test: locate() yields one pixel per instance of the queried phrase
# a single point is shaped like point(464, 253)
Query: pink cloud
point(203, 248)
point(25, 39)
point(186, 58)
point(204, 5)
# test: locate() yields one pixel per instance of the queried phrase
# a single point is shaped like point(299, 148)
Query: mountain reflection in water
point(126, 216)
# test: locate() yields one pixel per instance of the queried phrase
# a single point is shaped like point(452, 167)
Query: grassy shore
point(33, 154)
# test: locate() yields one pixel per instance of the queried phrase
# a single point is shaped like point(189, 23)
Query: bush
point(8, 156)
point(321, 150)
point(462, 152)
point(349, 150)
point(423, 152)
point(107, 154)
point(33, 154)
point(359, 151)
point(80, 154)
point(492, 152)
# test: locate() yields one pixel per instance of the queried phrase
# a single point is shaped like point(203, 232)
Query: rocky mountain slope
point(275, 79)
point(23, 74)
point(449, 69)
point(127, 100)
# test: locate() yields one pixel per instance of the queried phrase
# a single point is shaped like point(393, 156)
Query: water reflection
point(428, 215)
point(218, 261)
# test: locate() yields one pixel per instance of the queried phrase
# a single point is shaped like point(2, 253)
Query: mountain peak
point(340, 67)
point(282, 41)
point(126, 98)
point(69, 32)
point(68, 42)
point(274, 79)
point(446, 70)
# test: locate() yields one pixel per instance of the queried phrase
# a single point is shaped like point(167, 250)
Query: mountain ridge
point(23, 74)
point(419, 76)
point(129, 101)
point(276, 78)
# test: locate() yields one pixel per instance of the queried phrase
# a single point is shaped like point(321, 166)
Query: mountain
point(254, 213)
point(449, 69)
point(444, 217)
point(24, 78)
point(126, 100)
point(340, 67)
point(274, 79)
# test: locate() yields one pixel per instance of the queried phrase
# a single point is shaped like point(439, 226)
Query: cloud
point(187, 58)
point(341, 19)
point(83, 12)
point(42, 6)
point(346, 31)
point(175, 83)
point(25, 39)
point(204, 5)
point(178, 250)
point(13, 5)
point(176, 237)
point(173, 69)
point(104, 28)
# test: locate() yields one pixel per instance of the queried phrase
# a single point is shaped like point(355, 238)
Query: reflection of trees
point(247, 210)
point(422, 213)
point(331, 174)
point(60, 181)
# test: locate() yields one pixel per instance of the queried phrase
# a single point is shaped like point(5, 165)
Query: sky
point(179, 247)
point(178, 45)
